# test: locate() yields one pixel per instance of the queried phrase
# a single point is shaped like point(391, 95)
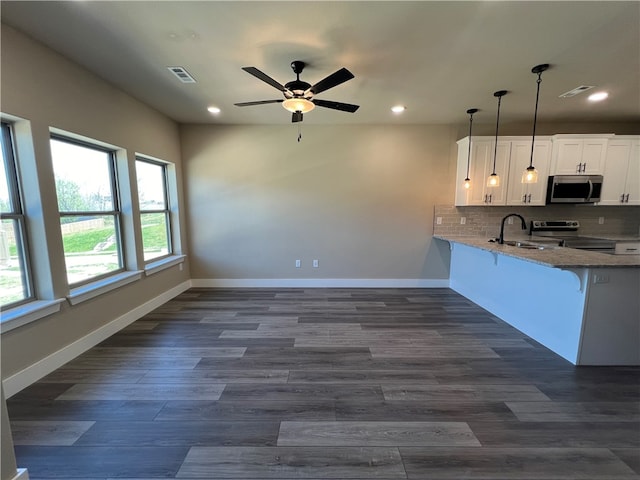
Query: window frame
point(16, 203)
point(116, 213)
point(166, 210)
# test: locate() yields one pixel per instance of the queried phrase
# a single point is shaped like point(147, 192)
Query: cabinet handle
point(490, 197)
point(622, 198)
point(579, 168)
point(626, 199)
point(529, 201)
point(584, 167)
point(524, 198)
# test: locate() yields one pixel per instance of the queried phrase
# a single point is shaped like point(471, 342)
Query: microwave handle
point(590, 190)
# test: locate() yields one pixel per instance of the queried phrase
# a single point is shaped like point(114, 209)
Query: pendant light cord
point(535, 117)
point(470, 112)
point(495, 148)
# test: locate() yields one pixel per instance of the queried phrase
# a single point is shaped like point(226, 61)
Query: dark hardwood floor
point(327, 383)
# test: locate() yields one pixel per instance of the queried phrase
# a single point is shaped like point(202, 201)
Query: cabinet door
point(537, 192)
point(594, 153)
point(633, 175)
point(498, 195)
point(615, 172)
point(567, 156)
point(516, 190)
point(481, 160)
point(519, 193)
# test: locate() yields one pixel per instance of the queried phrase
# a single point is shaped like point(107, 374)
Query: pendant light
point(530, 175)
point(493, 180)
point(467, 180)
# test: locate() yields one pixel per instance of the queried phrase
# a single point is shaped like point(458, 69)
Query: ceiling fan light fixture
point(298, 105)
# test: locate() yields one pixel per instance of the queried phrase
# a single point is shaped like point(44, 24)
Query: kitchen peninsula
point(582, 305)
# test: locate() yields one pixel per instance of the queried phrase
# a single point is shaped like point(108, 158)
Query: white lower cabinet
point(519, 193)
point(621, 184)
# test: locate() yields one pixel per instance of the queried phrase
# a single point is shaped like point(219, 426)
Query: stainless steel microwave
point(574, 189)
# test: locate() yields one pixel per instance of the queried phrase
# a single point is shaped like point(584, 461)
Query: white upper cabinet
point(519, 193)
point(621, 184)
point(579, 154)
point(480, 167)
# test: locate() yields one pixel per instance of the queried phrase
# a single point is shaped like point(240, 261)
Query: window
point(154, 208)
point(14, 262)
point(89, 209)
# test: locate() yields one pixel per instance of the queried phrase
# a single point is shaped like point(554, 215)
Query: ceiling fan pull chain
point(299, 132)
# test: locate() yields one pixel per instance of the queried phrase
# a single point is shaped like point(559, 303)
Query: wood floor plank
point(514, 463)
point(177, 434)
point(454, 393)
point(48, 432)
point(293, 462)
point(375, 434)
point(101, 462)
point(143, 392)
point(248, 411)
point(215, 375)
point(576, 411)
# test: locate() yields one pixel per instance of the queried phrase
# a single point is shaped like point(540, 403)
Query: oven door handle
point(590, 190)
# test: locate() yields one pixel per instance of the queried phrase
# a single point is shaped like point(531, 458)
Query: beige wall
point(46, 90)
point(357, 198)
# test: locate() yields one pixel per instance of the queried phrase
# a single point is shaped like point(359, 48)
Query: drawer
point(627, 248)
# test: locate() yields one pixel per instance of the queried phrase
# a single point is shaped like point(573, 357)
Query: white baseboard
point(320, 282)
point(35, 372)
point(22, 474)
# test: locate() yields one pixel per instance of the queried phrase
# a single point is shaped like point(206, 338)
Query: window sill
point(27, 313)
point(95, 289)
point(163, 264)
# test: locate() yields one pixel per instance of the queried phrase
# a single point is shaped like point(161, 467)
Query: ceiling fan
point(299, 95)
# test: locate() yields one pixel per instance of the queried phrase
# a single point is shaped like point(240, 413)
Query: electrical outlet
point(510, 220)
point(298, 263)
point(315, 264)
point(463, 220)
point(438, 220)
point(601, 220)
point(599, 278)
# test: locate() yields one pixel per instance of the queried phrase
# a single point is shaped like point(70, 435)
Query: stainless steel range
point(565, 232)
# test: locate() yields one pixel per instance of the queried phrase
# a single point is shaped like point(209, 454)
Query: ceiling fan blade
point(332, 80)
point(296, 117)
point(259, 102)
point(264, 77)
point(344, 107)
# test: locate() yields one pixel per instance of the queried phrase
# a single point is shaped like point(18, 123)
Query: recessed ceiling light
point(398, 108)
point(214, 110)
point(598, 96)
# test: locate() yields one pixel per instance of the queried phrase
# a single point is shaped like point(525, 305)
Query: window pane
point(91, 246)
point(83, 177)
point(5, 205)
point(154, 235)
point(151, 185)
point(13, 283)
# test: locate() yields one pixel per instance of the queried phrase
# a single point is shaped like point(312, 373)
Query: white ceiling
point(437, 58)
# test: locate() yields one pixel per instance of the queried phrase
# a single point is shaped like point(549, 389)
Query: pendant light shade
point(530, 174)
point(467, 180)
point(494, 179)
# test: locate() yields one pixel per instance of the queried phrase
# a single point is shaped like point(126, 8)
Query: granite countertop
point(558, 257)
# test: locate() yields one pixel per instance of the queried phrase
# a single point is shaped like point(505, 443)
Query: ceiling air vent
point(576, 91)
point(182, 74)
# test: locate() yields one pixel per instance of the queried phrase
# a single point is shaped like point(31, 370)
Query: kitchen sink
point(527, 245)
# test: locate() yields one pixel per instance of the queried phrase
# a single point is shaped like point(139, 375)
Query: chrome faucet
point(524, 225)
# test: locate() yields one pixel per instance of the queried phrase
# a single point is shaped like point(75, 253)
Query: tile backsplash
point(485, 221)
